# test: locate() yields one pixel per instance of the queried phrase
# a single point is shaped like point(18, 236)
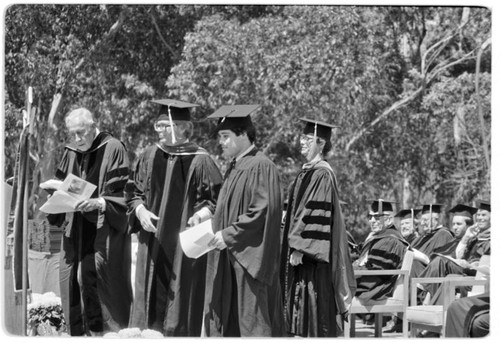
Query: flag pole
point(25, 224)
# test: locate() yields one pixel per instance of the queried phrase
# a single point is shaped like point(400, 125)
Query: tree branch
point(411, 97)
point(158, 31)
point(384, 114)
point(56, 100)
point(440, 45)
point(112, 31)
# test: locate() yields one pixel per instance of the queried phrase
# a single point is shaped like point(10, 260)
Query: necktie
point(229, 168)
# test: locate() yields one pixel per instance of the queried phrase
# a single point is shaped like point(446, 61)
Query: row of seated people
point(438, 251)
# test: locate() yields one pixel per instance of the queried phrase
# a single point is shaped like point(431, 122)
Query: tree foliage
point(374, 72)
point(399, 82)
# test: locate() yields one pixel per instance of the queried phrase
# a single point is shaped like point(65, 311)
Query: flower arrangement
point(134, 333)
point(45, 315)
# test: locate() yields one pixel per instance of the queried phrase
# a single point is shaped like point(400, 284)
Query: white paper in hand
point(194, 241)
point(68, 194)
point(60, 202)
point(51, 184)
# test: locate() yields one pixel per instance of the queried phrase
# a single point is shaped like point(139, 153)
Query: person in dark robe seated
point(407, 223)
point(95, 264)
point(434, 236)
point(469, 317)
point(474, 244)
point(384, 248)
point(243, 293)
point(462, 219)
point(316, 269)
point(174, 186)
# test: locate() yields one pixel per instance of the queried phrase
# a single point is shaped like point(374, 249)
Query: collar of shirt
point(240, 156)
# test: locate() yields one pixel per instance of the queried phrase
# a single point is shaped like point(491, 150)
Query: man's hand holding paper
point(195, 240)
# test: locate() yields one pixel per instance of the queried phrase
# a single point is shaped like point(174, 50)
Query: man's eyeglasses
point(306, 138)
point(161, 126)
point(73, 134)
point(376, 216)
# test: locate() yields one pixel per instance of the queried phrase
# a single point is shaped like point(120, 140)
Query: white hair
point(80, 115)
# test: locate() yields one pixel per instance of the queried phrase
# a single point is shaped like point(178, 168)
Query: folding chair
point(397, 303)
point(433, 317)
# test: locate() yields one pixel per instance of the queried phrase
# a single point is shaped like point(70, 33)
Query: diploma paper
point(194, 241)
point(69, 193)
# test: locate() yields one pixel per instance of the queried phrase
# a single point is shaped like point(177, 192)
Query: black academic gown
point(314, 288)
point(384, 250)
point(96, 242)
point(440, 266)
point(429, 243)
point(173, 183)
point(243, 296)
point(469, 317)
point(411, 238)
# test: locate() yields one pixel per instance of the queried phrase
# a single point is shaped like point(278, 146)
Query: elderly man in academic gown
point(96, 291)
point(434, 235)
point(243, 295)
point(175, 185)
point(383, 249)
point(407, 219)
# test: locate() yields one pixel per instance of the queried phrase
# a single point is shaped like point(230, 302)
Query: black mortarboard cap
point(380, 206)
point(323, 130)
point(483, 205)
point(407, 213)
point(233, 116)
point(463, 210)
point(179, 110)
point(435, 208)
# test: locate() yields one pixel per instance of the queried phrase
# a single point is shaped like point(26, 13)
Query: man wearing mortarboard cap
point(474, 244)
point(243, 290)
point(470, 316)
point(434, 235)
point(175, 185)
point(384, 248)
point(315, 253)
point(407, 222)
point(462, 219)
point(476, 240)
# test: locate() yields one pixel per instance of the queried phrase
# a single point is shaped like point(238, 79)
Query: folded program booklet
point(67, 195)
point(194, 241)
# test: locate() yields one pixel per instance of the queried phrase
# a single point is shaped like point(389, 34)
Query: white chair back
point(484, 262)
point(400, 291)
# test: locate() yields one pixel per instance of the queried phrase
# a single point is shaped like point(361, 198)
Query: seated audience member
point(474, 244)
point(384, 248)
point(470, 316)
point(434, 235)
point(462, 219)
point(407, 223)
